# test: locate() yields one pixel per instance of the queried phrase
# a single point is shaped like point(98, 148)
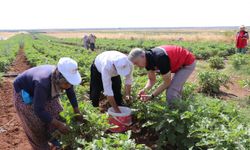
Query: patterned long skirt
point(36, 130)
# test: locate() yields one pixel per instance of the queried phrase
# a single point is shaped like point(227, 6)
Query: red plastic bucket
point(121, 121)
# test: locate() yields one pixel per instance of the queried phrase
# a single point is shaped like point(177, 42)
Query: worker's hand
point(117, 110)
point(145, 98)
point(63, 128)
point(78, 115)
point(80, 118)
point(141, 92)
point(112, 102)
point(128, 98)
point(52, 147)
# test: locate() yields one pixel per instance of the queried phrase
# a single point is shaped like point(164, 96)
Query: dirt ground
point(12, 136)
point(6, 35)
point(185, 35)
point(234, 91)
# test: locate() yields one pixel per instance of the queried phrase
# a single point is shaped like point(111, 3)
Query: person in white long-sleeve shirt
point(105, 76)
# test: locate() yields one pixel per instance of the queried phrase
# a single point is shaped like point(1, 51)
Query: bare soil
point(6, 35)
point(234, 90)
point(12, 136)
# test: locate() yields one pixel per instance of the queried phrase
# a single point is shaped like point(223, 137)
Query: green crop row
point(202, 50)
point(195, 122)
point(8, 51)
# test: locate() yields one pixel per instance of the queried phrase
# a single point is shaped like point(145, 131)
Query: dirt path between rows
point(12, 136)
point(234, 91)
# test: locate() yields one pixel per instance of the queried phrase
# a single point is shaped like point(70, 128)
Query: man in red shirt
point(241, 40)
point(166, 59)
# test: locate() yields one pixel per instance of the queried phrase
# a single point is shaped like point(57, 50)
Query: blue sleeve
point(72, 97)
point(39, 100)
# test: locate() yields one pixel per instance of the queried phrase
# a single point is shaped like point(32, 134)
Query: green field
point(202, 50)
point(199, 120)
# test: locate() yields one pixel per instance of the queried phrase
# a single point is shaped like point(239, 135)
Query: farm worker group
point(37, 90)
point(89, 41)
point(241, 40)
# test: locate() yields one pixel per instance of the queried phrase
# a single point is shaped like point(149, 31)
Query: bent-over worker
point(167, 59)
point(36, 99)
point(105, 76)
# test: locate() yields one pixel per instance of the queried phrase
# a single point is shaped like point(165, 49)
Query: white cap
point(123, 66)
point(69, 69)
point(242, 26)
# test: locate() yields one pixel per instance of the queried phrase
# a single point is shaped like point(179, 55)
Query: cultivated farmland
point(213, 113)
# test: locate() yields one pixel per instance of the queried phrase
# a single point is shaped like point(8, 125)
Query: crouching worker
point(165, 59)
point(105, 76)
point(36, 98)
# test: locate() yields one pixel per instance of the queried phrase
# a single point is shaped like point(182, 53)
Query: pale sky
point(45, 14)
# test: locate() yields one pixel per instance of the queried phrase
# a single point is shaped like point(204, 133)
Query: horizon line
point(124, 28)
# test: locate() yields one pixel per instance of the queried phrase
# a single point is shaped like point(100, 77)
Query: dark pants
point(242, 50)
point(92, 46)
point(96, 87)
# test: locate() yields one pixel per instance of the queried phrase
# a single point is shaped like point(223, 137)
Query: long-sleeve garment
point(105, 64)
point(37, 82)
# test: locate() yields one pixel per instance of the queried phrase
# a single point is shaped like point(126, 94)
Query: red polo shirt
point(168, 58)
point(178, 56)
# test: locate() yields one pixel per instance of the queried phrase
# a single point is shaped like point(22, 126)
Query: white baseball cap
point(123, 66)
point(69, 69)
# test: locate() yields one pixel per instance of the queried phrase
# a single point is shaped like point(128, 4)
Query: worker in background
point(241, 40)
point(36, 99)
point(86, 43)
point(106, 72)
point(166, 59)
point(92, 39)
